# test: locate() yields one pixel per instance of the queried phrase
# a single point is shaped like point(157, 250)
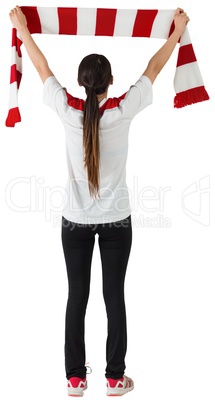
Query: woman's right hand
point(18, 19)
point(181, 20)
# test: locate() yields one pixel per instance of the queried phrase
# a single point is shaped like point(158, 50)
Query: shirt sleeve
point(54, 95)
point(138, 97)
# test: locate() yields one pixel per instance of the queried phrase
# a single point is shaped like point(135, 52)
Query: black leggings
point(114, 243)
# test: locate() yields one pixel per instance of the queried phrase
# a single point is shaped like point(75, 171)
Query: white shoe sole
point(118, 391)
point(76, 391)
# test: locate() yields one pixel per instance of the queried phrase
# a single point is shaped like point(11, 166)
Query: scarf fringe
point(191, 96)
point(13, 117)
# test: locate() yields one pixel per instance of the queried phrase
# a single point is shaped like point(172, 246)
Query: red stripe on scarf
point(16, 42)
point(172, 28)
point(15, 75)
point(144, 22)
point(186, 55)
point(33, 19)
point(67, 20)
point(13, 117)
point(105, 21)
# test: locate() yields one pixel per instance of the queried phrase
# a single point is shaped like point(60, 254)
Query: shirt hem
point(101, 220)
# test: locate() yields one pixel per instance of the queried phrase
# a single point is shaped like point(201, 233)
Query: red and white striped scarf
point(188, 83)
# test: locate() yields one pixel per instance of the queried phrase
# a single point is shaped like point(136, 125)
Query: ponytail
point(91, 141)
point(94, 74)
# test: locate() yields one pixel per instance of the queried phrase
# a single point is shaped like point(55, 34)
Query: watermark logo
point(195, 201)
point(31, 194)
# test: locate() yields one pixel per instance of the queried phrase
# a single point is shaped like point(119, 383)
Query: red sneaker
point(120, 386)
point(76, 386)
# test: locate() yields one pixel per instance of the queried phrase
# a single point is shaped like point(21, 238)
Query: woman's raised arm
point(160, 58)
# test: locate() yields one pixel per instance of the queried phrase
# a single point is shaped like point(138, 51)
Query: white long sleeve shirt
point(116, 116)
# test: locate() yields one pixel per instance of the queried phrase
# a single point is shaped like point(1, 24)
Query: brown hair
point(94, 73)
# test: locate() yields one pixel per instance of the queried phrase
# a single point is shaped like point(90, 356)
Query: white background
point(170, 279)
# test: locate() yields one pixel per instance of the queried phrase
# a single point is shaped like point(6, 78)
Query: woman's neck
point(100, 97)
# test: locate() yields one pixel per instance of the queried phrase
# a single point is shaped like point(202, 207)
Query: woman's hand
point(180, 19)
point(18, 19)
point(38, 59)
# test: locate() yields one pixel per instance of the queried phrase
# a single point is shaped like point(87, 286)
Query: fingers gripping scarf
point(188, 83)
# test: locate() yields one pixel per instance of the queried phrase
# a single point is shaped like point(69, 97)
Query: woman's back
point(116, 115)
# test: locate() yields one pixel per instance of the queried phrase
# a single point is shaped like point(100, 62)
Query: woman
point(97, 200)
